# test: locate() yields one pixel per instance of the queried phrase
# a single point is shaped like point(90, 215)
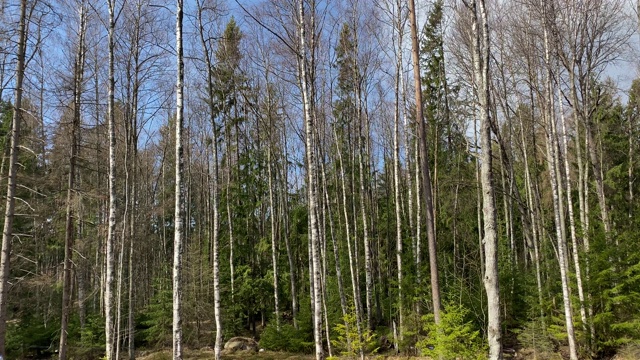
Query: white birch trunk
point(396, 170)
point(336, 254)
point(552, 159)
point(111, 232)
point(213, 191)
point(309, 117)
point(179, 196)
point(481, 77)
point(352, 266)
point(274, 248)
point(572, 222)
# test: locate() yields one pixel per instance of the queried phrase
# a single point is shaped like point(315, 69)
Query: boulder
point(239, 343)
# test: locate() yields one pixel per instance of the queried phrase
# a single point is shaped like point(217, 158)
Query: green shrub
point(287, 339)
point(348, 341)
point(93, 333)
point(31, 335)
point(454, 338)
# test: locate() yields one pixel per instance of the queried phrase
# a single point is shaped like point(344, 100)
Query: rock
point(240, 344)
point(384, 344)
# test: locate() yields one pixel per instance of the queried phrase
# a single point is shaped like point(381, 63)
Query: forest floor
point(629, 353)
point(207, 354)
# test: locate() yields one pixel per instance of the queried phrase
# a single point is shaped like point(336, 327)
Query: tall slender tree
point(214, 178)
point(306, 81)
point(481, 53)
point(7, 232)
point(178, 239)
point(78, 75)
point(110, 336)
point(424, 165)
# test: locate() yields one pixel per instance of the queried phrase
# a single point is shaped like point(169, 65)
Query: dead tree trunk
point(7, 232)
point(69, 226)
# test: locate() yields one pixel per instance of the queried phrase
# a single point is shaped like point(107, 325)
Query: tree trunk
point(179, 196)
point(554, 178)
point(396, 170)
point(424, 166)
point(306, 80)
point(69, 228)
point(111, 232)
point(490, 240)
point(274, 248)
point(572, 222)
point(352, 266)
point(336, 253)
point(284, 207)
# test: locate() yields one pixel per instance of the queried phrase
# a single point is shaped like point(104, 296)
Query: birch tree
point(179, 188)
point(306, 81)
point(110, 336)
point(399, 28)
point(214, 179)
point(481, 51)
point(556, 187)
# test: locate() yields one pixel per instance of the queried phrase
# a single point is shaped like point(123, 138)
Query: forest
point(452, 179)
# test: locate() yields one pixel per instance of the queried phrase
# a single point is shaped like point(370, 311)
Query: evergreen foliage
point(156, 319)
point(30, 336)
point(454, 338)
point(349, 342)
point(287, 339)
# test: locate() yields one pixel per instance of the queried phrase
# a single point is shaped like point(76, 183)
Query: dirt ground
point(626, 353)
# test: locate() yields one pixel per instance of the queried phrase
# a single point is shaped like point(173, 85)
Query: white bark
point(179, 196)
point(572, 222)
point(396, 168)
point(214, 186)
point(352, 267)
point(309, 117)
point(111, 232)
point(481, 79)
point(368, 275)
point(553, 163)
point(336, 254)
point(274, 248)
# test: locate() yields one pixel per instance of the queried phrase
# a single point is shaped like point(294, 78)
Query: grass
point(629, 352)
